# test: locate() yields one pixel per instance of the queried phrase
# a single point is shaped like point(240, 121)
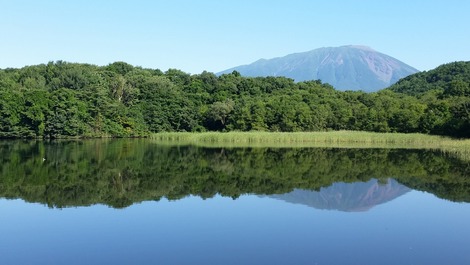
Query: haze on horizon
point(194, 36)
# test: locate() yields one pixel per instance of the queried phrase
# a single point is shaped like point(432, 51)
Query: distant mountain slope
point(452, 79)
point(345, 68)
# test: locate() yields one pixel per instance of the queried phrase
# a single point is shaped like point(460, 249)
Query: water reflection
point(202, 224)
point(347, 197)
point(120, 173)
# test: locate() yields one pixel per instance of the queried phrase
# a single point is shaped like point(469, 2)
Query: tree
point(11, 104)
point(34, 112)
point(120, 68)
point(218, 113)
point(67, 116)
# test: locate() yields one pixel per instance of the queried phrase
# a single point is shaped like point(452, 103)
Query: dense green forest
point(120, 172)
point(61, 99)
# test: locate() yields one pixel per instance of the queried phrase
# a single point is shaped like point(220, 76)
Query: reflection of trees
point(121, 172)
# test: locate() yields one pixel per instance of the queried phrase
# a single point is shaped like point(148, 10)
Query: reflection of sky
point(416, 228)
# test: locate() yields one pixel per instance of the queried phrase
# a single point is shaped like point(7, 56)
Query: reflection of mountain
point(349, 197)
point(126, 171)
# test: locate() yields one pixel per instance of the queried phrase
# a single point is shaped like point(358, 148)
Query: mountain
point(347, 197)
point(345, 68)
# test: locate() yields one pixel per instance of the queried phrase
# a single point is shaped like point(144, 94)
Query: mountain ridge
point(350, 67)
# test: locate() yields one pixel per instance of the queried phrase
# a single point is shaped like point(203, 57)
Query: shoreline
point(333, 139)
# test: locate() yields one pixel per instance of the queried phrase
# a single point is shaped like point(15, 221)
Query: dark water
point(136, 202)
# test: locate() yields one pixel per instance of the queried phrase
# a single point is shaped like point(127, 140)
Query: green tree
point(218, 114)
point(67, 116)
point(11, 105)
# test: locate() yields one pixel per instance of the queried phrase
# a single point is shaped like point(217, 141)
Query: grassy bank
point(340, 139)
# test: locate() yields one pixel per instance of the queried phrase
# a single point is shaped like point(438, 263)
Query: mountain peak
point(360, 47)
point(351, 67)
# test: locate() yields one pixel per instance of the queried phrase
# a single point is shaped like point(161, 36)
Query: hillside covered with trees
point(61, 99)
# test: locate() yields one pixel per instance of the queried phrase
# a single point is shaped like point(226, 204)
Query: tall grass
point(339, 139)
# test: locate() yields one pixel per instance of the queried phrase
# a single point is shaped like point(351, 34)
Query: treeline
point(121, 172)
point(61, 99)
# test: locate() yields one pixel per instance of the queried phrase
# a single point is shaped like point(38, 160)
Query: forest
point(72, 100)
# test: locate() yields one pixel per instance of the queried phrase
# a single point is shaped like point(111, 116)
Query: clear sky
point(214, 35)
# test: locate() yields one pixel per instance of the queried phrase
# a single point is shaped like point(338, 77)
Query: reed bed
point(337, 139)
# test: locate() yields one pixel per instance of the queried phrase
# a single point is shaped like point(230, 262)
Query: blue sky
point(214, 35)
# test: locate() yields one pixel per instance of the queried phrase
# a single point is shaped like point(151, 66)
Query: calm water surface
point(136, 202)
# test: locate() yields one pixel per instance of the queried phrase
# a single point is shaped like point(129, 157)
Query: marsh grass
point(336, 139)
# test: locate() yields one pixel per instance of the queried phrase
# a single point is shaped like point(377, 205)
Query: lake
point(134, 201)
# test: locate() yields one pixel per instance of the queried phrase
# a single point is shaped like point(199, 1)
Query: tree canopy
point(61, 99)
